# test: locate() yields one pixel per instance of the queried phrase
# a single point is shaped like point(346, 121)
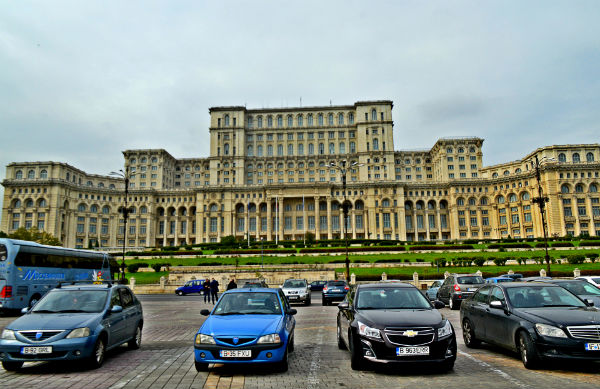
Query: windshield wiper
point(44, 311)
point(259, 313)
point(71, 311)
point(559, 305)
point(229, 313)
point(369, 308)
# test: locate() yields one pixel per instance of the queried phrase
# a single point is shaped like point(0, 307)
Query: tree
point(3, 234)
point(35, 235)
point(310, 239)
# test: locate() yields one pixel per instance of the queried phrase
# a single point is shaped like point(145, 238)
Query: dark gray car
point(458, 287)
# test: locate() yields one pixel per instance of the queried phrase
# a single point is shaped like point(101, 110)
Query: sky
point(81, 81)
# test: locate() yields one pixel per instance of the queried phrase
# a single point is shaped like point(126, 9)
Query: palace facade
point(277, 174)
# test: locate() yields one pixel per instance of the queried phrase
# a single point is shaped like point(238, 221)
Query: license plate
point(293, 297)
point(471, 289)
point(592, 346)
point(235, 353)
point(412, 350)
point(36, 350)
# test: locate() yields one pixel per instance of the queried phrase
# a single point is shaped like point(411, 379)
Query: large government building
point(277, 174)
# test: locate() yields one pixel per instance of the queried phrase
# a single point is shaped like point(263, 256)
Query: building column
point(269, 219)
point(415, 225)
point(353, 217)
point(219, 222)
point(257, 233)
point(494, 218)
point(329, 235)
point(426, 221)
point(280, 220)
point(317, 221)
point(393, 216)
point(402, 221)
point(438, 219)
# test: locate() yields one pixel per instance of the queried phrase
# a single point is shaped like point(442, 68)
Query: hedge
point(510, 246)
point(440, 247)
point(253, 251)
point(351, 249)
point(162, 253)
point(589, 243)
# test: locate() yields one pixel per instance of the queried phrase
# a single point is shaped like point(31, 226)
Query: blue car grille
point(232, 340)
point(43, 335)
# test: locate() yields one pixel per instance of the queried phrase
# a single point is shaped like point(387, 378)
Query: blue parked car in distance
point(433, 289)
point(247, 326)
point(194, 286)
point(496, 280)
point(334, 291)
point(76, 322)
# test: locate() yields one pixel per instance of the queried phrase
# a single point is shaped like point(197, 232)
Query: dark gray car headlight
point(445, 331)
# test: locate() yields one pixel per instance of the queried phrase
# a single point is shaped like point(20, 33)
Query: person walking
point(214, 289)
point(206, 290)
point(232, 284)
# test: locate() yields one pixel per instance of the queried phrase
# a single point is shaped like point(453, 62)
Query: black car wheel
point(201, 366)
point(97, 358)
point(469, 334)
point(357, 361)
point(307, 302)
point(291, 344)
point(324, 301)
point(340, 341)
point(529, 354)
point(282, 366)
point(136, 342)
point(12, 366)
point(452, 304)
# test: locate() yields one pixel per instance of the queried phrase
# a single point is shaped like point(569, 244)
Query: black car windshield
point(289, 284)
point(254, 303)
point(580, 288)
point(391, 298)
point(72, 301)
point(542, 296)
point(336, 283)
point(470, 280)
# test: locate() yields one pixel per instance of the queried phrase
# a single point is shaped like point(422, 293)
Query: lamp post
point(541, 201)
point(345, 206)
point(125, 211)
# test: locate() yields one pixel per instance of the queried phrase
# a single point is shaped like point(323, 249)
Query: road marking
point(501, 373)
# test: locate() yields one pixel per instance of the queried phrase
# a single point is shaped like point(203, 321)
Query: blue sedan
point(247, 326)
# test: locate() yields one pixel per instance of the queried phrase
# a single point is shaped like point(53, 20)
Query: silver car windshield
point(291, 284)
point(255, 303)
point(542, 296)
point(391, 298)
point(72, 301)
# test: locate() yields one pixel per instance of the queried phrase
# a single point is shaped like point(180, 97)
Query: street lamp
point(345, 205)
point(541, 201)
point(126, 175)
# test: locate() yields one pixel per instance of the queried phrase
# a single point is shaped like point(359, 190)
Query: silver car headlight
point(365, 330)
point(8, 335)
point(79, 333)
point(271, 338)
point(547, 330)
point(204, 339)
point(445, 331)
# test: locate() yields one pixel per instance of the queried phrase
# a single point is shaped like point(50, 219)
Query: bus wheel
point(34, 299)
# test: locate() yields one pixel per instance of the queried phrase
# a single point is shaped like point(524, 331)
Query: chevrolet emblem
point(410, 333)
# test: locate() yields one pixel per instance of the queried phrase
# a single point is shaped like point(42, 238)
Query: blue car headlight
point(204, 339)
point(269, 339)
point(445, 331)
point(79, 333)
point(8, 335)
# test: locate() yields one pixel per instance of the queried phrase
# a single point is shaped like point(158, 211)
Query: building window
point(576, 158)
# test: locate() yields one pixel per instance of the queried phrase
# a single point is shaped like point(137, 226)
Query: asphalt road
point(165, 360)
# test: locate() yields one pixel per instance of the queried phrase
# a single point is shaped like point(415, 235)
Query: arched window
point(19, 175)
point(290, 121)
point(214, 208)
point(431, 205)
point(259, 151)
point(350, 118)
point(143, 209)
point(101, 185)
point(461, 150)
point(112, 186)
point(143, 160)
point(263, 207)
point(589, 157)
point(342, 148)
point(472, 201)
point(576, 157)
point(320, 119)
point(525, 196)
point(321, 149)
point(373, 114)
point(408, 206)
point(419, 204)
point(94, 208)
point(17, 204)
point(359, 205)
point(443, 204)
point(90, 183)
point(562, 157)
point(259, 122)
point(42, 203)
point(375, 144)
point(226, 120)
point(269, 121)
point(483, 201)
point(385, 203)
point(564, 188)
point(105, 210)
point(81, 207)
point(352, 147)
point(44, 173)
point(250, 151)
point(29, 203)
point(471, 149)
point(330, 119)
point(518, 170)
point(460, 201)
point(226, 149)
point(310, 119)
point(449, 150)
point(340, 119)
point(593, 188)
point(331, 148)
point(31, 174)
point(279, 121)
point(500, 200)
point(578, 188)
point(132, 161)
point(506, 173)
point(512, 198)
point(495, 175)
point(300, 120)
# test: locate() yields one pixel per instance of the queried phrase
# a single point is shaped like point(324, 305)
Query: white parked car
point(594, 280)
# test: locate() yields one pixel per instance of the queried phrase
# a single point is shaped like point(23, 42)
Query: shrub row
point(162, 254)
point(254, 251)
point(442, 247)
point(589, 243)
point(509, 246)
point(351, 249)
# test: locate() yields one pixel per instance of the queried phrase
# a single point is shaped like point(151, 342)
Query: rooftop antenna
point(300, 101)
point(330, 102)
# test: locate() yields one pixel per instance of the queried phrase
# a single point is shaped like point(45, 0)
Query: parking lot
point(165, 360)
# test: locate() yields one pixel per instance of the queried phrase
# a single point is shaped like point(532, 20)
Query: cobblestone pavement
point(165, 360)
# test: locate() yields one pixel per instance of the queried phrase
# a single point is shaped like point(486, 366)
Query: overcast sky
point(80, 81)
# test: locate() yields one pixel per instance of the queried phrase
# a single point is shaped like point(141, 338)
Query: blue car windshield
point(72, 301)
point(391, 298)
point(254, 303)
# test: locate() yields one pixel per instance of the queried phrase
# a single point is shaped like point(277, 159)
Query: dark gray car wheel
point(357, 361)
point(469, 334)
point(528, 351)
point(12, 366)
point(136, 342)
point(340, 341)
point(99, 353)
point(201, 366)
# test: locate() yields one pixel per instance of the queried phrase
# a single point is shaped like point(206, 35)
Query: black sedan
point(541, 321)
point(394, 323)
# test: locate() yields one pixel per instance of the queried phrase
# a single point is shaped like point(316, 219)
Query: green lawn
point(147, 277)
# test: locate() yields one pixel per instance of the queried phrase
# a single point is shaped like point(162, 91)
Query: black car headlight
point(547, 330)
point(444, 331)
point(370, 332)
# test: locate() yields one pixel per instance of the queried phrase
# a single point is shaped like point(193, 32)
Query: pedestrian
point(232, 284)
point(206, 290)
point(214, 289)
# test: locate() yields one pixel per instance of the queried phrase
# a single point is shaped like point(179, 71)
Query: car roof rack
point(88, 282)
